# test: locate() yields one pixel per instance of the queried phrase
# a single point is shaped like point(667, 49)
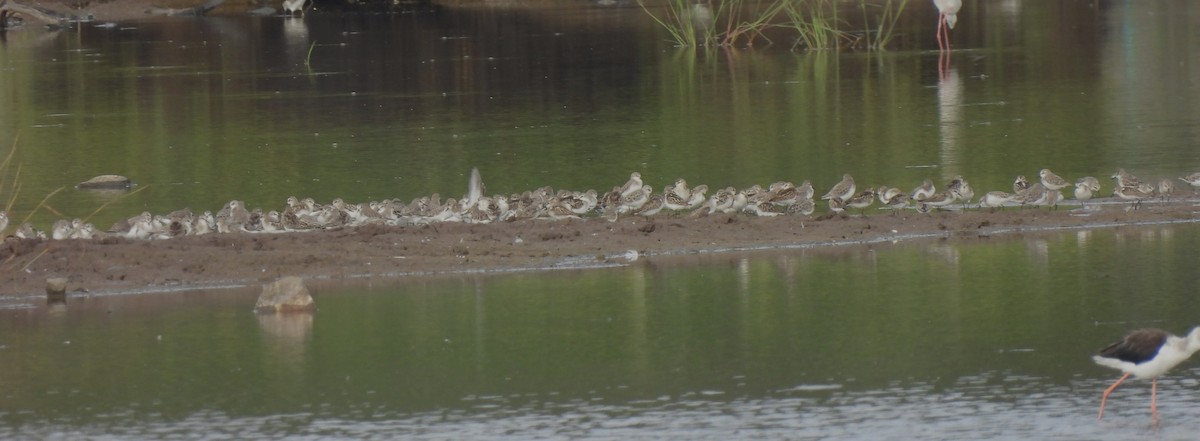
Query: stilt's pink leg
point(1154, 400)
point(1104, 398)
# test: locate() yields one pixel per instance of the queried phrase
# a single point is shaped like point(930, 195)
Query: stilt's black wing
point(1137, 347)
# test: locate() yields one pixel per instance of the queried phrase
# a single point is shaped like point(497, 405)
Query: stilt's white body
point(1174, 351)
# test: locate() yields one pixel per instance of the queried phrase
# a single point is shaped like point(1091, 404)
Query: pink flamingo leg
point(941, 22)
point(1104, 398)
point(945, 31)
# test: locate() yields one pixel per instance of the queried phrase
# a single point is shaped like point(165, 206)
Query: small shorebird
point(1135, 194)
point(61, 229)
point(450, 211)
point(234, 217)
point(141, 226)
point(555, 210)
point(1020, 184)
point(698, 195)
point(721, 200)
point(926, 189)
point(842, 190)
point(651, 207)
point(633, 185)
point(962, 188)
point(3, 220)
point(1052, 181)
point(204, 223)
point(1051, 200)
point(994, 199)
point(1033, 195)
point(84, 231)
point(940, 199)
point(885, 193)
point(1192, 179)
point(836, 205)
point(862, 200)
point(1086, 187)
point(947, 17)
point(766, 208)
point(27, 231)
point(272, 222)
point(579, 203)
point(897, 201)
point(610, 200)
point(1165, 188)
point(754, 193)
point(1125, 179)
point(805, 207)
point(805, 190)
point(740, 199)
point(632, 202)
point(1146, 353)
point(676, 197)
point(478, 213)
point(782, 193)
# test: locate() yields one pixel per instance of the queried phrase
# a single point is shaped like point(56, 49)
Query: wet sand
point(117, 265)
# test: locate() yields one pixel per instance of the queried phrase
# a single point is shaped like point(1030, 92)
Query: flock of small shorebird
point(634, 198)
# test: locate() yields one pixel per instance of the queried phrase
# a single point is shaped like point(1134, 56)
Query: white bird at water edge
point(293, 6)
point(947, 17)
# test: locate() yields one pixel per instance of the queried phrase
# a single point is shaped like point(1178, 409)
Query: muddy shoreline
point(117, 265)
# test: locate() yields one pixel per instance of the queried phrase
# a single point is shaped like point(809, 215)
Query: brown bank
point(123, 265)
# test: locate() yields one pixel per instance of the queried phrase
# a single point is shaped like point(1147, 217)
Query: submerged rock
point(285, 295)
point(106, 182)
point(56, 290)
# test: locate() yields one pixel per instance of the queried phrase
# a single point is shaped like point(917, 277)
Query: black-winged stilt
point(1146, 353)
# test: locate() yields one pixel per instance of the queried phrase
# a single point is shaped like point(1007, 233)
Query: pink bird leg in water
point(947, 17)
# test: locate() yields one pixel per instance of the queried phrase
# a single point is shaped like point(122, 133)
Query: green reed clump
point(680, 21)
point(885, 27)
point(816, 23)
point(10, 190)
point(13, 187)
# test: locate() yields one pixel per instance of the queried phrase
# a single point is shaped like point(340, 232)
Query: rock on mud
point(285, 295)
point(106, 182)
point(56, 290)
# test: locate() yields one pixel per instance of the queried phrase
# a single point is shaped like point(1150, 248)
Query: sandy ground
point(114, 265)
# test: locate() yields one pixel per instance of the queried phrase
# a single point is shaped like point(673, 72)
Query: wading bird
point(1146, 353)
point(293, 6)
point(947, 17)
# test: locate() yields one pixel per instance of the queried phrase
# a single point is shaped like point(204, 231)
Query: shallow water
point(986, 339)
point(204, 111)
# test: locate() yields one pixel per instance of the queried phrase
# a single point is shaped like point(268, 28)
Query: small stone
point(56, 290)
point(287, 294)
point(106, 182)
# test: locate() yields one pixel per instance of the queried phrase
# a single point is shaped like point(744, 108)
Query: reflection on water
point(983, 339)
point(287, 335)
point(950, 102)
